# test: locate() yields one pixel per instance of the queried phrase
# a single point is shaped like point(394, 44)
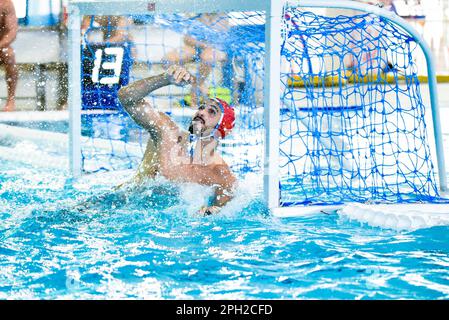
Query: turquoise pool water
point(149, 243)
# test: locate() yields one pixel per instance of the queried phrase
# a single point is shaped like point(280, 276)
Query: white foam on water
point(248, 189)
point(195, 196)
point(31, 153)
point(107, 179)
point(398, 216)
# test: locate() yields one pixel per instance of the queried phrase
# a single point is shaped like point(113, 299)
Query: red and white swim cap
point(227, 120)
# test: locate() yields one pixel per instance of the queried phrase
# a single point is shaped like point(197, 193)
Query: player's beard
point(196, 132)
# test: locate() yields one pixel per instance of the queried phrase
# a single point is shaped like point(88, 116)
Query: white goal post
point(273, 10)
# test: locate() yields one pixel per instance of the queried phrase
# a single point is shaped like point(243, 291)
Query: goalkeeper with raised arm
point(176, 154)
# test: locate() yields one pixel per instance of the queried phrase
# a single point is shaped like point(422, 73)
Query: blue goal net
point(352, 123)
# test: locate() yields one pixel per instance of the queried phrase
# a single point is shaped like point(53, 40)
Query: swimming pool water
point(149, 243)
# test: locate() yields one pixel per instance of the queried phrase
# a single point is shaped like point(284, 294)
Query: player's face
point(206, 118)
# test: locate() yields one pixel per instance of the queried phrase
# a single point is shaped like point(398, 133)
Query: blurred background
point(41, 49)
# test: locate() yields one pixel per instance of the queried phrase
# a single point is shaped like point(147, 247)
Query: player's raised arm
point(132, 96)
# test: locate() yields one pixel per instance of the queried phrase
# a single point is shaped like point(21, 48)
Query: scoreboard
point(105, 69)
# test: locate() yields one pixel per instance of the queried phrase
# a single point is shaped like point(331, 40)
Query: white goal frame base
point(410, 216)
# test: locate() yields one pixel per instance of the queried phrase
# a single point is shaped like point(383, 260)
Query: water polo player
point(176, 154)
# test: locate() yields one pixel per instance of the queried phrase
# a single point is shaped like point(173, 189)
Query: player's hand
point(207, 211)
point(180, 76)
